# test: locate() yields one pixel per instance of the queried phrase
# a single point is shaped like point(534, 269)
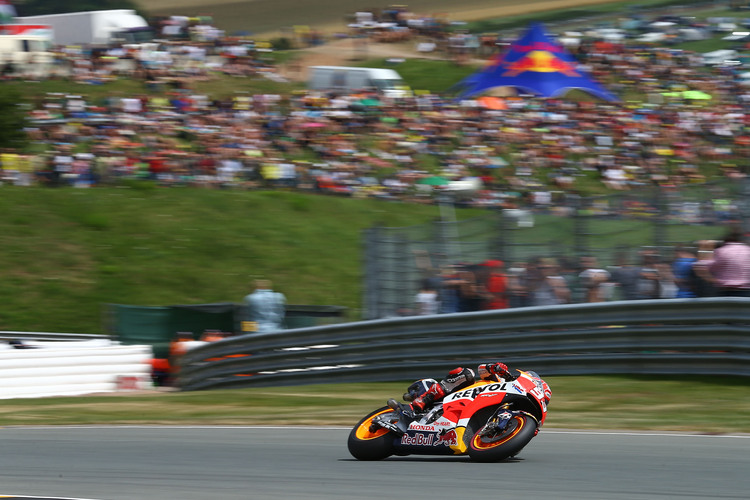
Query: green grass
point(68, 251)
point(437, 77)
point(720, 405)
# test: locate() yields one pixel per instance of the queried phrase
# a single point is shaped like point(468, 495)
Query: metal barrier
point(44, 336)
point(677, 336)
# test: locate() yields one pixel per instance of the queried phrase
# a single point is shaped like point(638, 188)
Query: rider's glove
point(501, 370)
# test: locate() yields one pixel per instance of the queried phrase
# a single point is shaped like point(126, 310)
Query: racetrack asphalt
point(240, 463)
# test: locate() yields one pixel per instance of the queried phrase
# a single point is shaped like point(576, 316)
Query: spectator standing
point(568, 269)
point(682, 269)
point(448, 290)
point(496, 285)
point(471, 291)
point(667, 285)
point(265, 309)
point(444, 281)
point(701, 281)
point(426, 300)
point(518, 285)
point(626, 276)
point(730, 266)
point(649, 286)
point(594, 280)
point(548, 287)
point(63, 165)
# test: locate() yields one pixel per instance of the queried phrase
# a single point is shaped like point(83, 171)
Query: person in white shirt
point(427, 302)
point(595, 280)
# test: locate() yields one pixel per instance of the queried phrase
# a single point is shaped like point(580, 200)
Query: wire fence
point(613, 229)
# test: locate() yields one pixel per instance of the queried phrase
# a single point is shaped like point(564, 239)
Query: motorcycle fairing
point(446, 434)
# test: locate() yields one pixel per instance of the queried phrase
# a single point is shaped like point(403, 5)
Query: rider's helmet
point(418, 388)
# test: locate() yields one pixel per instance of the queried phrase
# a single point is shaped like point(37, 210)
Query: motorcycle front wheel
point(494, 446)
point(366, 443)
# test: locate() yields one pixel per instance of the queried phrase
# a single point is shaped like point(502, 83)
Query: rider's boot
point(435, 392)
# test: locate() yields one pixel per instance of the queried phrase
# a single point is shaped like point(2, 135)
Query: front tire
point(493, 447)
point(365, 444)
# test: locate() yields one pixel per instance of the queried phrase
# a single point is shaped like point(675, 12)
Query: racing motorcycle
point(490, 420)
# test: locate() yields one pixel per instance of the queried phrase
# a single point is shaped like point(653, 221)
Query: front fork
point(500, 419)
point(497, 422)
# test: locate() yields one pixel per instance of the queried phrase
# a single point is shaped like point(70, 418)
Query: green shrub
point(281, 43)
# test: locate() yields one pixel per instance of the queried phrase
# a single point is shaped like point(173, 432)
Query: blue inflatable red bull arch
point(536, 64)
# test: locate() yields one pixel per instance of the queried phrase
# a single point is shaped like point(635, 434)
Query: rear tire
point(366, 445)
point(521, 428)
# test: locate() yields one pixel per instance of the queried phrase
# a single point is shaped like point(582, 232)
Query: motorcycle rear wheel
point(521, 428)
point(365, 444)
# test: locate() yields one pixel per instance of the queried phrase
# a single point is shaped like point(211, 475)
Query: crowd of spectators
point(515, 151)
point(706, 269)
point(365, 145)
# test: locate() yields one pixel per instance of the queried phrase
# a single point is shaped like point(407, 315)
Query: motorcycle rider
point(424, 393)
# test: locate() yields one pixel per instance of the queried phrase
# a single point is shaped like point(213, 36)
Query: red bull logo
point(447, 438)
point(417, 439)
point(540, 61)
point(549, 47)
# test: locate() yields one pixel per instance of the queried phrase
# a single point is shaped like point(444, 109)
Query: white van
point(27, 47)
point(350, 79)
point(719, 57)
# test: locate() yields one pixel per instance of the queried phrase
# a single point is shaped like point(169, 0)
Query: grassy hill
point(66, 252)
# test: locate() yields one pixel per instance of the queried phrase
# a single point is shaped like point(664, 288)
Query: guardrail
point(677, 336)
point(47, 336)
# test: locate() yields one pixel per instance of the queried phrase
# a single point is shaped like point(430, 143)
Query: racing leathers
point(456, 379)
